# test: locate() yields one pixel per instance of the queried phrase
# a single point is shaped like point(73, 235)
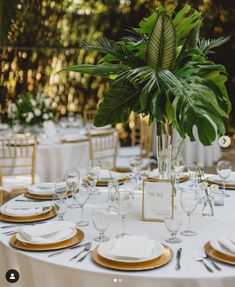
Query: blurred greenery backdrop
point(40, 37)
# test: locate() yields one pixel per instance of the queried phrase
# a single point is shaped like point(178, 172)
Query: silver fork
point(87, 247)
point(200, 259)
point(66, 250)
point(86, 252)
point(209, 259)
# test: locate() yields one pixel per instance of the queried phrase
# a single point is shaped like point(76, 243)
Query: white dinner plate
point(220, 248)
point(41, 191)
point(104, 249)
point(37, 212)
point(49, 241)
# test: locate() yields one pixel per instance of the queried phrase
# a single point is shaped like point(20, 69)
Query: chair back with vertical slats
point(17, 156)
point(103, 146)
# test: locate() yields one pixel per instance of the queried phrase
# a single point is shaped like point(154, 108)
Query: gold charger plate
point(227, 185)
point(73, 140)
point(210, 251)
point(46, 247)
point(38, 217)
point(181, 179)
point(106, 182)
point(125, 266)
point(41, 196)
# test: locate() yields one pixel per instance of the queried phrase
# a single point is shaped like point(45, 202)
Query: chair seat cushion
point(12, 182)
point(127, 151)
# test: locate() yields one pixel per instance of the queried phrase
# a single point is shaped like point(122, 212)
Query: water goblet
point(173, 224)
point(72, 178)
point(188, 201)
point(60, 205)
point(60, 186)
point(135, 164)
point(124, 207)
point(224, 170)
point(93, 175)
point(81, 198)
point(193, 174)
point(178, 167)
point(101, 221)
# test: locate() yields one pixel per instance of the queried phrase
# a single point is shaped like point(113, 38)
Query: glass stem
point(101, 235)
point(81, 212)
point(189, 221)
point(123, 224)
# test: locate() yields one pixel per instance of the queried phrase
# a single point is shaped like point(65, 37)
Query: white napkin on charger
point(230, 180)
point(21, 211)
point(132, 247)
point(228, 242)
point(47, 232)
point(105, 174)
point(43, 191)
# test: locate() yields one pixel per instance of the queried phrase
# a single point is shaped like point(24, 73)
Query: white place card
point(158, 197)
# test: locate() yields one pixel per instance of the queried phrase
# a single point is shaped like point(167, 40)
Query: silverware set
point(85, 251)
point(201, 259)
point(69, 249)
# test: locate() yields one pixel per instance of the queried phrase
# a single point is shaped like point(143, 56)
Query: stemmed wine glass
point(135, 164)
point(101, 221)
point(72, 178)
point(224, 170)
point(93, 175)
point(188, 200)
point(178, 166)
point(81, 198)
point(124, 207)
point(60, 186)
point(60, 205)
point(173, 224)
point(193, 174)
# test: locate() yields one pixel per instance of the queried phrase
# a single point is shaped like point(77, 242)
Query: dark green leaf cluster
point(162, 71)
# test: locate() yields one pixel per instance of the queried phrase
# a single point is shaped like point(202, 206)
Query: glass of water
point(224, 170)
point(101, 221)
point(60, 205)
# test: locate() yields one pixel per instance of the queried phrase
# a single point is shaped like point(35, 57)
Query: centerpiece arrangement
point(31, 110)
point(162, 71)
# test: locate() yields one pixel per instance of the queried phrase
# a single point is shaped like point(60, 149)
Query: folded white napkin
point(37, 190)
point(230, 180)
point(17, 211)
point(105, 175)
point(47, 232)
point(132, 247)
point(154, 173)
point(73, 137)
point(48, 185)
point(228, 242)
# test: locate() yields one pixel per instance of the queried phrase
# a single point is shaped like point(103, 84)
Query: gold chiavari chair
point(17, 164)
point(88, 116)
point(103, 146)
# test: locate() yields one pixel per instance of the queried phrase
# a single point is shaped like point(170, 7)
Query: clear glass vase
point(164, 150)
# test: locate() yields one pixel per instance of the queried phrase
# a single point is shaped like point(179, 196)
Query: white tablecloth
point(53, 160)
point(37, 270)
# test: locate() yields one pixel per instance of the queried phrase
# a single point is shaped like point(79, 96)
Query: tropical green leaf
point(186, 20)
point(97, 70)
point(117, 104)
point(162, 43)
point(205, 45)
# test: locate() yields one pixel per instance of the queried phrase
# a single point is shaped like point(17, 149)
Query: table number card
point(158, 196)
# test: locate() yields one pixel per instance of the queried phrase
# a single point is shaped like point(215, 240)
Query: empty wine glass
point(60, 186)
point(101, 221)
point(72, 178)
point(188, 200)
point(224, 170)
point(173, 224)
point(193, 174)
point(93, 175)
point(178, 166)
point(60, 205)
point(135, 164)
point(124, 207)
point(81, 198)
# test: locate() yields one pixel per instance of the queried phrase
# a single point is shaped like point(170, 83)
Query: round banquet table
point(37, 269)
point(54, 159)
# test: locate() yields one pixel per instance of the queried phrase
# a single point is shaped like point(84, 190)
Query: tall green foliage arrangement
point(162, 70)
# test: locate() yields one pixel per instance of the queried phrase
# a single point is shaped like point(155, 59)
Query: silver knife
point(66, 250)
point(178, 256)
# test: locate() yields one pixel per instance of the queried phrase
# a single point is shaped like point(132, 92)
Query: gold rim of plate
point(106, 182)
point(73, 140)
point(38, 217)
point(41, 196)
point(182, 178)
point(137, 266)
point(227, 185)
point(211, 252)
point(14, 242)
